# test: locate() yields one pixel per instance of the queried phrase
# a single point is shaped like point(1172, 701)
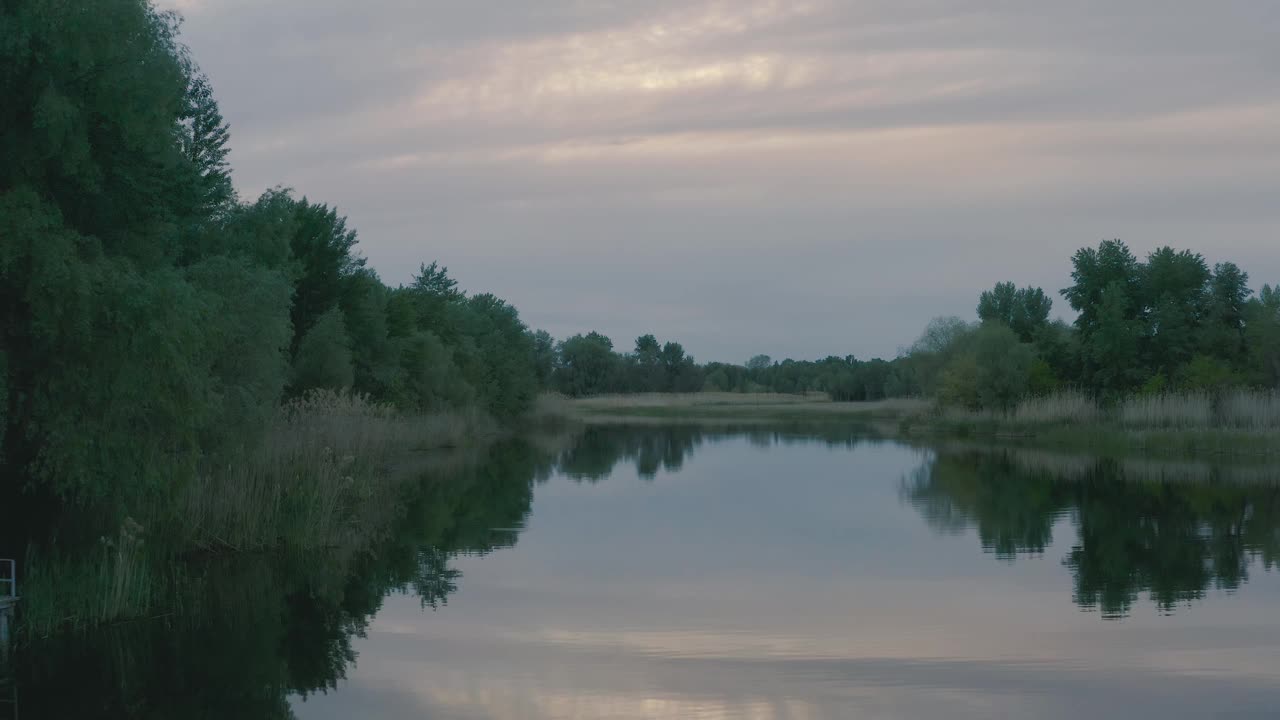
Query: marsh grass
point(327, 461)
point(1243, 422)
point(736, 407)
point(1068, 406)
point(1251, 410)
point(1179, 411)
point(698, 399)
point(111, 581)
point(329, 477)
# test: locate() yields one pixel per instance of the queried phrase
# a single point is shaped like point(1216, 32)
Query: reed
point(327, 457)
point(1234, 422)
point(1254, 410)
point(1068, 406)
point(330, 476)
point(112, 581)
point(1168, 410)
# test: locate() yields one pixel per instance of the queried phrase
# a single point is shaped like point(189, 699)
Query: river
point(769, 574)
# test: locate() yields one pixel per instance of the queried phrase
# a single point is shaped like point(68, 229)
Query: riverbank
point(733, 407)
point(1194, 424)
point(1241, 423)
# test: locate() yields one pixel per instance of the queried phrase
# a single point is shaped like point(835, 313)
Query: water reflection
point(774, 580)
point(242, 633)
point(594, 453)
point(1163, 530)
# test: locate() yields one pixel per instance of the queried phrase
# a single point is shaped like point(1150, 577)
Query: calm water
point(672, 573)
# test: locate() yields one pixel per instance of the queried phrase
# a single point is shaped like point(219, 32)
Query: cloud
point(918, 149)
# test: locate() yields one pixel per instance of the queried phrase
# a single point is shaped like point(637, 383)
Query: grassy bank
point(1237, 422)
point(736, 407)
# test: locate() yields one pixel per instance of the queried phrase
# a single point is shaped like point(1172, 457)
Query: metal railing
point(8, 579)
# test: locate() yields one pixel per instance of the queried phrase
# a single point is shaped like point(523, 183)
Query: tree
point(1107, 294)
point(323, 247)
point(112, 374)
point(649, 373)
point(504, 373)
point(363, 302)
point(1025, 311)
point(1174, 290)
point(588, 365)
point(1228, 297)
point(544, 357)
point(1262, 332)
point(323, 358)
point(992, 371)
point(759, 362)
point(1112, 349)
point(435, 296)
point(1096, 270)
point(203, 136)
point(934, 350)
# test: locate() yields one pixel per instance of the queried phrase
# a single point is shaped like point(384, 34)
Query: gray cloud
point(798, 178)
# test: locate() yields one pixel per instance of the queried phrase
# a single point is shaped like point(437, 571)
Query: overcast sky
point(794, 178)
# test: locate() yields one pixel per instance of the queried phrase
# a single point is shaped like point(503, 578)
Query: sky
point(799, 179)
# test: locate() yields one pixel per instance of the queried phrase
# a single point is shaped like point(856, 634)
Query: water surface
point(681, 573)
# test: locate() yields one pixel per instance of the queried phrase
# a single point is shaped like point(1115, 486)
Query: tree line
point(150, 321)
point(1167, 323)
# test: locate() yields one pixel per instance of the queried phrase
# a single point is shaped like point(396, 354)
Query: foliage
point(1025, 311)
point(150, 322)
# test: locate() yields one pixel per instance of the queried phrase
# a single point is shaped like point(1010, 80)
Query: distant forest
point(1169, 323)
point(151, 321)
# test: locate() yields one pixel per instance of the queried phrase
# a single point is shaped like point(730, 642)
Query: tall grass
point(721, 406)
point(697, 399)
point(330, 475)
point(1067, 406)
point(1168, 410)
point(111, 581)
point(1233, 422)
point(327, 456)
point(1250, 410)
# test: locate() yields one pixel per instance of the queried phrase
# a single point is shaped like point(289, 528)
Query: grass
point(733, 406)
point(1236, 422)
point(330, 477)
point(324, 461)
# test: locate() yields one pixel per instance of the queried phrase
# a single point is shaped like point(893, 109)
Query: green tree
point(648, 371)
point(203, 135)
point(1262, 333)
point(1174, 290)
point(323, 359)
point(992, 371)
point(1109, 268)
point(544, 357)
point(506, 378)
point(934, 351)
point(322, 247)
point(588, 365)
point(1108, 295)
point(1112, 348)
point(1025, 311)
point(1228, 297)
